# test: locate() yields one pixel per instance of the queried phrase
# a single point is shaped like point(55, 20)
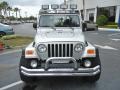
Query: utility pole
point(19, 12)
point(65, 2)
point(83, 9)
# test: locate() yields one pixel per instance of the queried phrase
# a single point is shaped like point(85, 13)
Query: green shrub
point(101, 20)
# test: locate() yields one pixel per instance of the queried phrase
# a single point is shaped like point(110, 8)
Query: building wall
point(106, 3)
point(91, 6)
point(94, 3)
point(117, 13)
point(97, 3)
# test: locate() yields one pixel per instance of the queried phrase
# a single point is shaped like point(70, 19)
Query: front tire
point(93, 79)
point(24, 62)
point(27, 79)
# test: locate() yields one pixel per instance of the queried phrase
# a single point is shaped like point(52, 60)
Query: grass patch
point(14, 41)
point(109, 26)
point(112, 23)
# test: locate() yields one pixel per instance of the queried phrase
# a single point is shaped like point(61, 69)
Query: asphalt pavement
point(24, 29)
point(109, 47)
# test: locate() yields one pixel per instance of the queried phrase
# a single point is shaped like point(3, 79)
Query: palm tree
point(19, 12)
point(16, 11)
point(4, 7)
point(9, 10)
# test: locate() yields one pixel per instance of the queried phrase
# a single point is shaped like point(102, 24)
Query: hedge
point(102, 20)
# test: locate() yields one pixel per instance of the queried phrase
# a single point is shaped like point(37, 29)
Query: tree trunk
point(16, 15)
point(0, 12)
point(9, 13)
point(5, 13)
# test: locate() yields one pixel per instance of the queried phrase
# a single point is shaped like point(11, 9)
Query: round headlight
point(33, 64)
point(79, 47)
point(42, 48)
point(87, 63)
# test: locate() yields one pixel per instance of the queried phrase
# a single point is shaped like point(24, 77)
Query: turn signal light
point(91, 51)
point(29, 52)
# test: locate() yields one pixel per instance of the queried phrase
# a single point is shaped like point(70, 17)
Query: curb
point(16, 47)
point(108, 29)
point(12, 48)
point(9, 51)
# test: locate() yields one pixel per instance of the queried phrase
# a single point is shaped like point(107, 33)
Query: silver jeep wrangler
point(59, 47)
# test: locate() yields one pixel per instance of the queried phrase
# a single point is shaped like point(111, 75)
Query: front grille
point(60, 50)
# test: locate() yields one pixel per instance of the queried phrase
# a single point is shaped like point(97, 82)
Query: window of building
point(91, 17)
point(109, 12)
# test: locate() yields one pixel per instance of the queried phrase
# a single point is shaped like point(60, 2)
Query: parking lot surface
point(109, 47)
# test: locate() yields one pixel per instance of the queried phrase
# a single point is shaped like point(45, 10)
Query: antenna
point(65, 2)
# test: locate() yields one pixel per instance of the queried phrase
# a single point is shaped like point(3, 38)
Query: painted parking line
point(11, 85)
point(105, 47)
point(9, 52)
point(115, 39)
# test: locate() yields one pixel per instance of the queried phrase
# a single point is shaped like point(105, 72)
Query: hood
point(58, 35)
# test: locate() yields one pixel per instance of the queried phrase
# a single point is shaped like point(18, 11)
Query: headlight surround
point(79, 47)
point(42, 48)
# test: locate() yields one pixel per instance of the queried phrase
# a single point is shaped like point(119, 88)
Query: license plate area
point(60, 61)
point(61, 65)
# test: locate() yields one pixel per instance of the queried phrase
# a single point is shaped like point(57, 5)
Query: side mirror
point(35, 25)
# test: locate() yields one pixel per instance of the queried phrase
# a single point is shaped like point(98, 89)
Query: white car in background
point(90, 26)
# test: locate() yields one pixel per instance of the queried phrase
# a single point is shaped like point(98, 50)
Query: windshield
point(59, 21)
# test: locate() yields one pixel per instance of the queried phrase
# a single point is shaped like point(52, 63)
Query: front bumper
point(74, 71)
point(61, 72)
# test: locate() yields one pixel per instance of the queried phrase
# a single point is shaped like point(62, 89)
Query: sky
point(31, 7)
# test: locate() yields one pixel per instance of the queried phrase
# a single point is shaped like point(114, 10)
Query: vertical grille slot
point(60, 50)
point(71, 50)
point(52, 50)
point(56, 49)
point(49, 50)
point(68, 49)
point(63, 50)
